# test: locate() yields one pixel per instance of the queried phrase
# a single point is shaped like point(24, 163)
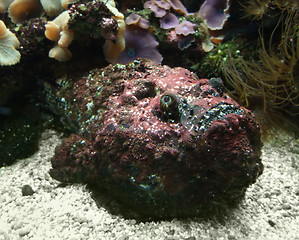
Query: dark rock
point(157, 139)
point(18, 138)
point(27, 190)
point(272, 224)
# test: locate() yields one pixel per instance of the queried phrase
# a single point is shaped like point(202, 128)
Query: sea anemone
point(140, 43)
point(8, 45)
point(257, 9)
point(271, 78)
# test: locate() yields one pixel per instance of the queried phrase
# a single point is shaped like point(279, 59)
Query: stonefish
point(157, 139)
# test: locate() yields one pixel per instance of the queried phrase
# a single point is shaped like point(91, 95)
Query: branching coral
point(274, 77)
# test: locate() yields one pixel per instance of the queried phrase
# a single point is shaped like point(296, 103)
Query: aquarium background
point(159, 119)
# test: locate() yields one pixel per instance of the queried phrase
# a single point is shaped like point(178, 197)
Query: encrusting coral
point(8, 45)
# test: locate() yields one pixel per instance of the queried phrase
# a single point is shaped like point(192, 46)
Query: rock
point(23, 231)
point(27, 190)
point(157, 139)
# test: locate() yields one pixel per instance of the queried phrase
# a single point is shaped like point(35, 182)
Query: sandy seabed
point(269, 210)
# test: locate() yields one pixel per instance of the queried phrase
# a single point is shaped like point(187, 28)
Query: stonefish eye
point(169, 105)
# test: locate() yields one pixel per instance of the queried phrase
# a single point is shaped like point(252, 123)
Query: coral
point(119, 17)
point(161, 9)
point(169, 21)
point(158, 11)
point(21, 10)
point(189, 28)
point(140, 43)
point(52, 7)
point(215, 12)
point(178, 6)
point(185, 28)
point(135, 19)
point(4, 5)
point(8, 45)
point(158, 139)
point(58, 31)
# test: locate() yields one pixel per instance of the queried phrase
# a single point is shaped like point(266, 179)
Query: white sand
point(70, 213)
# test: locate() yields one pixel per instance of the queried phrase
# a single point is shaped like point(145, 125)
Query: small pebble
point(23, 231)
point(27, 190)
point(286, 206)
point(272, 224)
point(284, 213)
point(190, 238)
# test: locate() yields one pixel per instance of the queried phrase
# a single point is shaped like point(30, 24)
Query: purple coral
point(169, 21)
point(140, 43)
point(163, 4)
point(135, 19)
point(178, 6)
point(159, 12)
point(215, 12)
point(185, 28)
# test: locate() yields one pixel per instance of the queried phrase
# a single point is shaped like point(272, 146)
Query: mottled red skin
point(166, 166)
